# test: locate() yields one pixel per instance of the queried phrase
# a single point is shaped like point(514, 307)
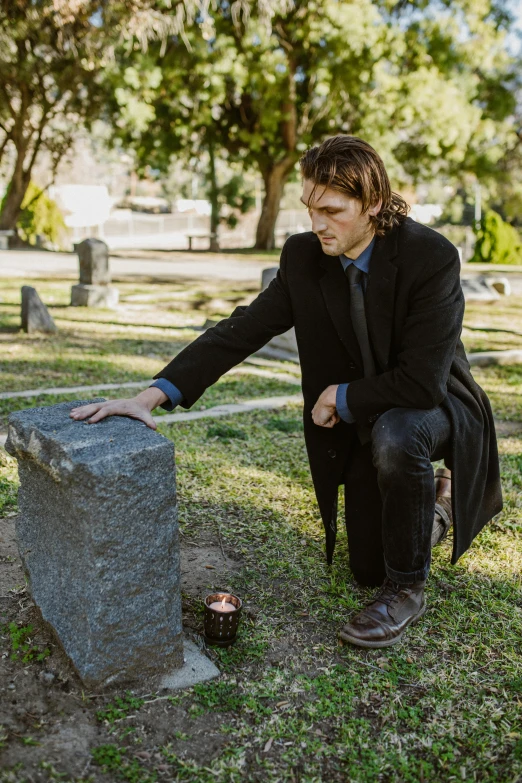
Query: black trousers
point(390, 495)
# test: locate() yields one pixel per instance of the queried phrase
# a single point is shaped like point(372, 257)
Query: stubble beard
point(339, 248)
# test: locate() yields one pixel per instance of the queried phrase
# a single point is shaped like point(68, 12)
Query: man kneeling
point(377, 306)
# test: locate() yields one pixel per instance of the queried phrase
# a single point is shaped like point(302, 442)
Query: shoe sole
point(389, 642)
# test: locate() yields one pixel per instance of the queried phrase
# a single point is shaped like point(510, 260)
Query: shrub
point(41, 216)
point(497, 241)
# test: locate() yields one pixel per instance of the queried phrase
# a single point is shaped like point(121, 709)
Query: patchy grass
point(22, 643)
point(292, 705)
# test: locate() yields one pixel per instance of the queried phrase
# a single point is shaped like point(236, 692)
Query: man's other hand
point(138, 407)
point(324, 412)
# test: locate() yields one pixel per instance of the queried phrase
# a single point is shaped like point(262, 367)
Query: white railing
point(126, 229)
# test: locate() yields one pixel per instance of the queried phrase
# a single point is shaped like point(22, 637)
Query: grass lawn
point(292, 705)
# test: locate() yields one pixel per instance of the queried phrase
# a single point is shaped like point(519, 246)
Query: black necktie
point(358, 316)
point(360, 327)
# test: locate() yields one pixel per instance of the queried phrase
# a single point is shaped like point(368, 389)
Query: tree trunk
point(275, 179)
point(15, 193)
point(214, 202)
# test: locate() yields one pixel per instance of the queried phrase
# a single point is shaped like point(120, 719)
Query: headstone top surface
point(47, 432)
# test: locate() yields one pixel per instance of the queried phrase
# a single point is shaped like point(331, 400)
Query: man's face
point(338, 221)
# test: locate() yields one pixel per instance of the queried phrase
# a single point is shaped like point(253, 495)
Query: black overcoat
point(414, 309)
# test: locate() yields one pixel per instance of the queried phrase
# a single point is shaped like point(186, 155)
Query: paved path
point(9, 395)
point(34, 264)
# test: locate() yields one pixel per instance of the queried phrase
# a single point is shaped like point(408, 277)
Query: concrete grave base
point(196, 668)
point(83, 295)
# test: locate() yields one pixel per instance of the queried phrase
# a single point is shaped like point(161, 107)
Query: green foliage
point(497, 241)
point(22, 645)
point(112, 759)
point(284, 424)
point(120, 708)
point(8, 483)
point(226, 432)
point(41, 217)
point(433, 90)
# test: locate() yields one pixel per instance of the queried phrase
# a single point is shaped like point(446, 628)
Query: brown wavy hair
point(351, 166)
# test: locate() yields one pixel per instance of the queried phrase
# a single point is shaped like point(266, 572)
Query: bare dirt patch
point(49, 722)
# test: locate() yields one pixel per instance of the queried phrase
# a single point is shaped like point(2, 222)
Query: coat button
point(351, 365)
point(332, 453)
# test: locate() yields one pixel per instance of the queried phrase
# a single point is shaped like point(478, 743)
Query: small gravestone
point(35, 315)
point(500, 284)
point(478, 289)
point(267, 275)
point(284, 346)
point(98, 538)
point(94, 289)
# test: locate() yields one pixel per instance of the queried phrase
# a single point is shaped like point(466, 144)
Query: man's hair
point(351, 166)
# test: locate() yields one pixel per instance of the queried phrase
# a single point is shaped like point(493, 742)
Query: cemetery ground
point(291, 703)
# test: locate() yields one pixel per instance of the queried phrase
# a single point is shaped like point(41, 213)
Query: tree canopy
point(53, 54)
point(430, 84)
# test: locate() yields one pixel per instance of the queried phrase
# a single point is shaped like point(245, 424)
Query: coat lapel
point(380, 297)
point(336, 295)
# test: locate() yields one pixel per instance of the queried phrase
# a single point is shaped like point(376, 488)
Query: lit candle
point(222, 606)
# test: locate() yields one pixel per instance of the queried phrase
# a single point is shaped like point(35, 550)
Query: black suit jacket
point(414, 309)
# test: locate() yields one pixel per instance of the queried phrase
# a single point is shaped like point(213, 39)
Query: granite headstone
point(98, 538)
point(94, 289)
point(35, 315)
point(284, 346)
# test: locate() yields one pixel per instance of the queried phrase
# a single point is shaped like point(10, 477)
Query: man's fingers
point(99, 411)
point(84, 411)
point(101, 414)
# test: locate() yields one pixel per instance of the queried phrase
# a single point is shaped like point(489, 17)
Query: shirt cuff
point(340, 403)
point(173, 393)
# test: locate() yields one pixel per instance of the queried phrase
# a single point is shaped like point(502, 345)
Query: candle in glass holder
point(222, 613)
point(222, 606)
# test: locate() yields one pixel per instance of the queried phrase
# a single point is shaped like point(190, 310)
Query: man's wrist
point(152, 397)
point(331, 395)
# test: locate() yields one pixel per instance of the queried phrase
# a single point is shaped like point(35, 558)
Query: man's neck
point(356, 250)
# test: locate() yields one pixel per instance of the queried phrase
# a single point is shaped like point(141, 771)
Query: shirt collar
point(362, 261)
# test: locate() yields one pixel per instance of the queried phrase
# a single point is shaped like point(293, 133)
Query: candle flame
point(223, 602)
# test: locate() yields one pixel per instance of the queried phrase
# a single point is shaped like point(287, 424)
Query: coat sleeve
point(427, 347)
point(220, 348)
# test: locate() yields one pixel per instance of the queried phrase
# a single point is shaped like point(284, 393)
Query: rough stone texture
point(35, 315)
point(284, 346)
point(93, 255)
point(83, 295)
point(98, 538)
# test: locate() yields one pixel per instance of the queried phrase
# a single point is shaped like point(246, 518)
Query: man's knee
point(394, 440)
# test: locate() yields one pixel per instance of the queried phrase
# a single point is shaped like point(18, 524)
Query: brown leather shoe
point(384, 621)
point(443, 518)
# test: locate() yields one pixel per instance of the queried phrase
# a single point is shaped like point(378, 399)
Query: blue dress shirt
point(362, 262)
point(173, 393)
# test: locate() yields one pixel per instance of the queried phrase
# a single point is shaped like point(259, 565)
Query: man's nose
point(319, 224)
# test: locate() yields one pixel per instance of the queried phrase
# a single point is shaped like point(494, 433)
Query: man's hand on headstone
point(138, 407)
point(324, 412)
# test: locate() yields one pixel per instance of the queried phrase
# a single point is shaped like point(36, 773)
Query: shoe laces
point(388, 592)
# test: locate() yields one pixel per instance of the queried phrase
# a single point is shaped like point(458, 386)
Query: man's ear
point(375, 209)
